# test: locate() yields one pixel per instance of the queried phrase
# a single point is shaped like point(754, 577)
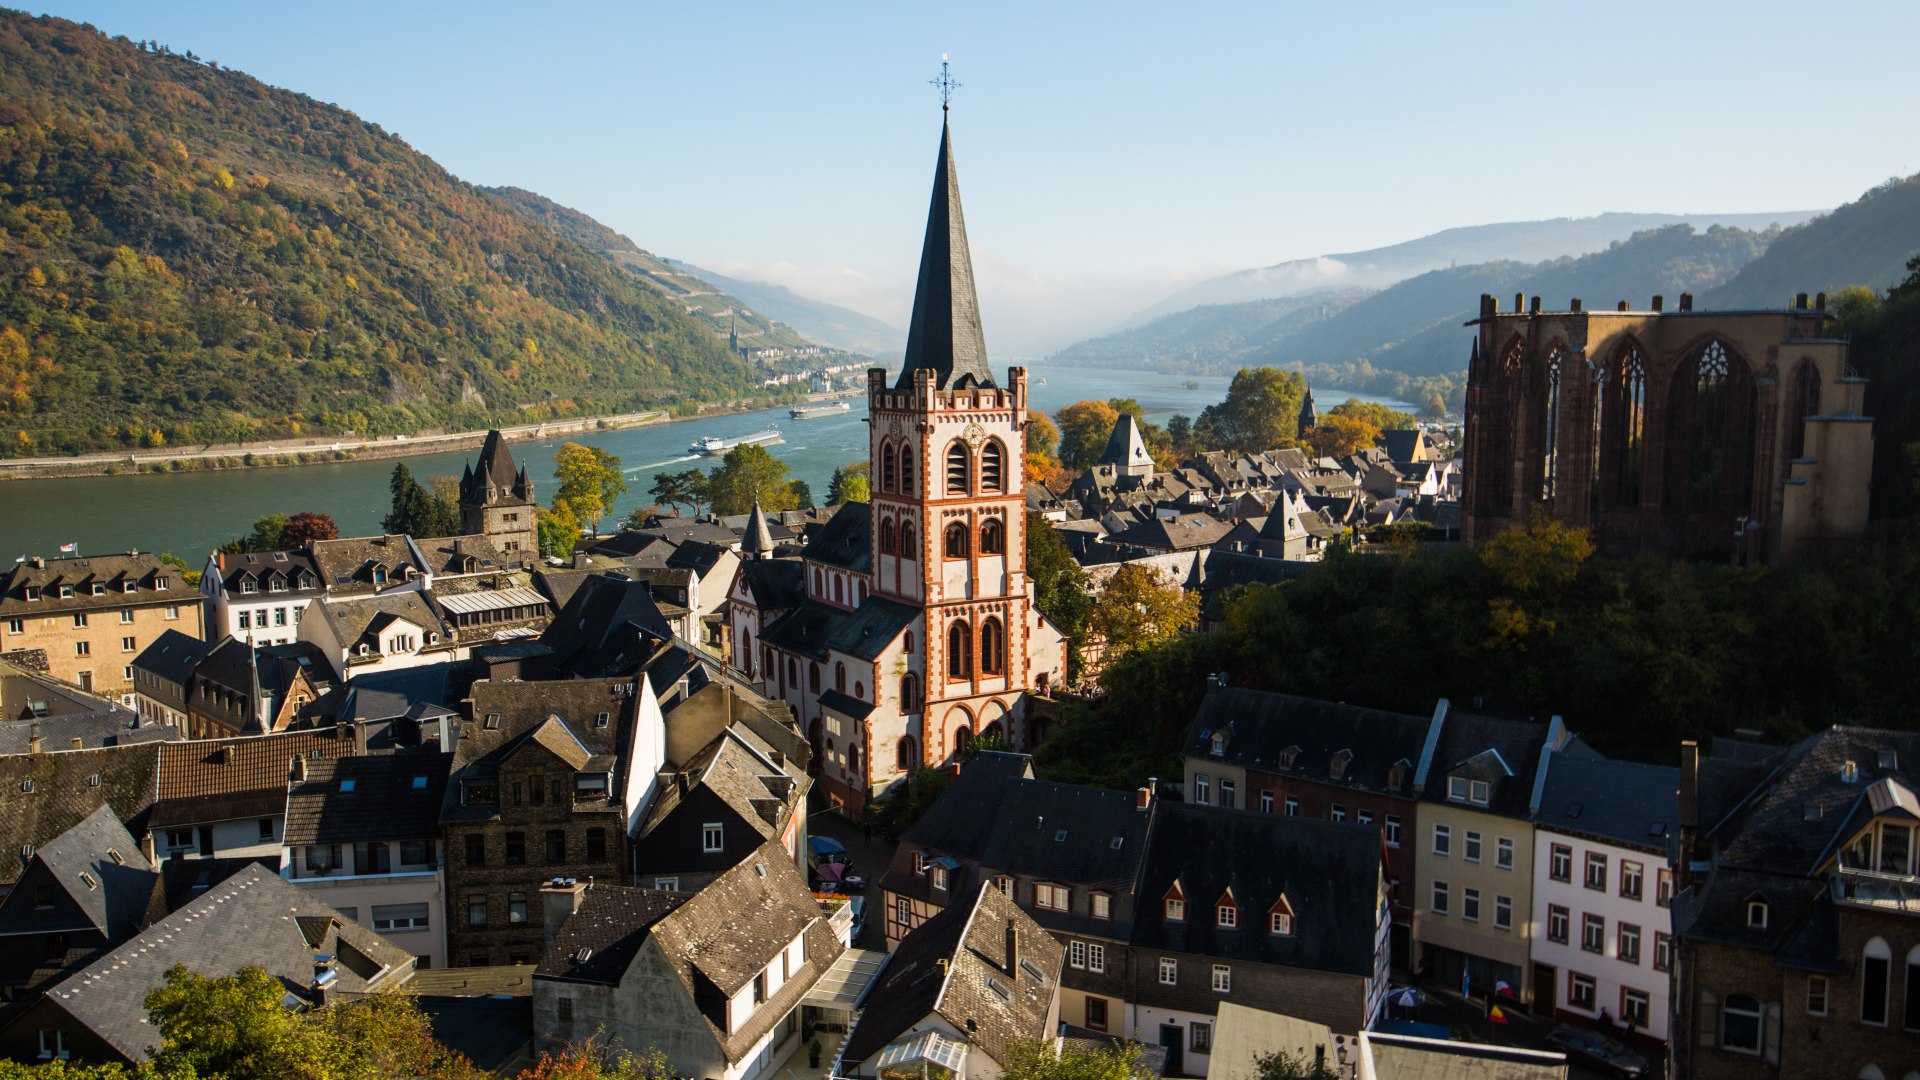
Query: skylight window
point(1034, 971)
point(419, 783)
point(999, 990)
point(347, 785)
point(1060, 837)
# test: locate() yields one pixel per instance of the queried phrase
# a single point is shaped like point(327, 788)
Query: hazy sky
point(1109, 153)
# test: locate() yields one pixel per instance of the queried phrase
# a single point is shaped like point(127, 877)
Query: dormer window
point(66, 593)
point(1850, 772)
point(1337, 769)
point(1226, 914)
point(712, 837)
point(33, 592)
point(1756, 914)
point(1219, 744)
point(1174, 904)
point(1288, 755)
point(1396, 776)
point(99, 588)
point(1478, 792)
point(920, 863)
point(940, 878)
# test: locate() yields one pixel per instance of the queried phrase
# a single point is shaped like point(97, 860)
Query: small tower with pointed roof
point(496, 501)
point(1127, 449)
point(758, 541)
point(1309, 416)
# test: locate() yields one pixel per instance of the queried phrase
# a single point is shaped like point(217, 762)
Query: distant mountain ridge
point(1865, 242)
point(1515, 241)
point(829, 324)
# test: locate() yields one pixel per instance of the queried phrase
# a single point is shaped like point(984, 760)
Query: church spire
point(757, 543)
point(945, 336)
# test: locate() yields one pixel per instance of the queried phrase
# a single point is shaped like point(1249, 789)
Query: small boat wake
point(657, 464)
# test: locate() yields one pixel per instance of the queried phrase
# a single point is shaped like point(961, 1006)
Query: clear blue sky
point(1109, 153)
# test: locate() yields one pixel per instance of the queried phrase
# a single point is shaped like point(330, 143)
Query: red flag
point(1497, 1016)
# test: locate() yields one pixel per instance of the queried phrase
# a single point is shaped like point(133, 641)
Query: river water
point(190, 513)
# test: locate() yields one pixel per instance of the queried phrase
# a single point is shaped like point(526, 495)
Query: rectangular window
point(1503, 853)
point(16, 626)
point(476, 910)
point(1097, 1013)
point(1176, 910)
point(1560, 863)
point(1557, 920)
point(1266, 797)
point(245, 620)
point(127, 645)
point(1503, 912)
point(1635, 1007)
point(1293, 806)
point(1169, 971)
point(1593, 933)
point(476, 849)
point(80, 620)
point(902, 911)
point(517, 907)
point(1200, 788)
point(1222, 979)
point(1470, 904)
point(1102, 906)
point(1227, 917)
point(1473, 846)
point(940, 878)
point(1629, 943)
point(1457, 788)
point(126, 615)
point(1663, 891)
point(1596, 871)
point(596, 844)
point(1580, 991)
point(1050, 897)
point(1874, 973)
point(1280, 923)
point(1096, 957)
point(1442, 840)
point(667, 884)
point(1200, 1040)
point(1632, 876)
point(1226, 794)
point(173, 612)
point(1440, 897)
point(416, 852)
point(279, 616)
point(1077, 954)
point(1392, 831)
point(711, 836)
point(400, 917)
point(53, 1044)
point(516, 849)
point(556, 846)
point(1480, 792)
point(1338, 813)
point(82, 648)
point(1662, 951)
point(1816, 995)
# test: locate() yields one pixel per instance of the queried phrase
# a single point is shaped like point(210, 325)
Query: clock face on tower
point(975, 435)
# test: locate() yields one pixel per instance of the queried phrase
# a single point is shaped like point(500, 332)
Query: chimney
point(1799, 301)
point(1659, 303)
point(1142, 798)
point(146, 848)
point(1621, 306)
point(559, 899)
point(1013, 950)
point(1519, 302)
point(78, 743)
point(1820, 302)
point(1686, 301)
point(1574, 305)
point(33, 737)
point(1533, 306)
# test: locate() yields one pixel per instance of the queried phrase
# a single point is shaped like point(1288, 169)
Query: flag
point(1497, 1016)
point(73, 548)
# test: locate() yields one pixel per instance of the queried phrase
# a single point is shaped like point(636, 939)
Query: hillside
point(722, 313)
point(1512, 241)
point(1211, 336)
point(1862, 243)
point(188, 255)
point(828, 324)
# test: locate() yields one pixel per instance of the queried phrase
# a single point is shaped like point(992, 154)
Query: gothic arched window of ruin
point(1710, 414)
point(958, 466)
point(1508, 397)
point(1624, 421)
point(1550, 426)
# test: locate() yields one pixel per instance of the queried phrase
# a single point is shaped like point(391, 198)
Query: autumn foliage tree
point(1085, 427)
point(1137, 608)
point(590, 480)
point(1338, 436)
point(305, 527)
point(746, 474)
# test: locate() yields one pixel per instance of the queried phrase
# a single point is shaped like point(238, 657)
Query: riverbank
point(283, 453)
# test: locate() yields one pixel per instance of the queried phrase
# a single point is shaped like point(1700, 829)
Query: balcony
point(1897, 893)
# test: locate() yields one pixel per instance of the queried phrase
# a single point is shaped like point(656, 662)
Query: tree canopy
point(1380, 415)
point(417, 512)
point(688, 489)
point(1060, 588)
point(1137, 608)
point(850, 483)
point(748, 473)
point(1261, 412)
point(1085, 427)
point(1339, 435)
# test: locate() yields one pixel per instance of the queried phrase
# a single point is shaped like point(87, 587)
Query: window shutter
point(1709, 1016)
point(1770, 1033)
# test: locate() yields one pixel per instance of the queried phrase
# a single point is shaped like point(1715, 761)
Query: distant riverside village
point(768, 794)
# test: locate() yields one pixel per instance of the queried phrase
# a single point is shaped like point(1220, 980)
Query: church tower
point(947, 452)
point(496, 500)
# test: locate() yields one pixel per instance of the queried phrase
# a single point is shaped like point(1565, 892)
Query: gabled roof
point(777, 584)
point(1126, 447)
point(843, 541)
point(972, 939)
point(1261, 725)
point(346, 564)
point(358, 620)
point(393, 797)
point(1628, 803)
point(609, 626)
point(65, 717)
point(598, 942)
point(1328, 872)
point(814, 628)
point(1183, 533)
point(1796, 818)
point(44, 795)
point(263, 566)
point(733, 775)
point(115, 892)
point(252, 918)
point(470, 554)
point(944, 336)
point(221, 779)
point(506, 715)
point(113, 573)
point(1515, 744)
point(173, 656)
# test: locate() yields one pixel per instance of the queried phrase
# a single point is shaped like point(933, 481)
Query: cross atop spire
point(945, 82)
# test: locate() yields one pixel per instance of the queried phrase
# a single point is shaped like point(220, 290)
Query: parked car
point(1591, 1050)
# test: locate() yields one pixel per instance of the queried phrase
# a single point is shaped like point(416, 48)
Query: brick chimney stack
point(560, 898)
point(1013, 950)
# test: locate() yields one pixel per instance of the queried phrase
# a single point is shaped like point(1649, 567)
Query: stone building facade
point(1735, 434)
point(94, 615)
point(497, 501)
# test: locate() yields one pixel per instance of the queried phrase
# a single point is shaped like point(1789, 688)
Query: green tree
point(1136, 610)
point(1085, 427)
point(850, 484)
point(1380, 416)
point(1285, 1065)
point(558, 530)
point(416, 511)
point(188, 574)
point(590, 481)
point(1047, 1059)
point(688, 488)
point(910, 800)
point(748, 473)
point(802, 494)
point(1060, 588)
point(1261, 411)
point(264, 537)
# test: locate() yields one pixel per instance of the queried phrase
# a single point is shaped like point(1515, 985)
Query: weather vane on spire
point(945, 82)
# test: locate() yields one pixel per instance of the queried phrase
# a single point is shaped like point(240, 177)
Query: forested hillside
point(1210, 337)
point(188, 255)
point(1867, 242)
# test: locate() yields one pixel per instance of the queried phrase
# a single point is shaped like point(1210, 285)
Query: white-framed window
point(1560, 863)
point(1077, 954)
point(126, 615)
point(1503, 912)
point(1169, 971)
point(1457, 788)
point(1293, 806)
point(1593, 933)
point(1503, 853)
point(1096, 957)
point(713, 836)
point(1596, 871)
point(1740, 1024)
point(400, 917)
point(1393, 831)
point(1101, 906)
point(1633, 877)
point(1280, 923)
point(1226, 916)
point(1662, 951)
point(940, 878)
point(1628, 945)
point(1557, 920)
point(1338, 813)
point(1817, 995)
point(1470, 904)
point(1200, 788)
point(1222, 979)
point(16, 626)
point(1176, 909)
point(1442, 840)
point(667, 884)
point(1581, 990)
point(1472, 853)
point(1757, 914)
point(1266, 797)
point(53, 1044)
point(1364, 817)
point(1441, 897)
point(1052, 897)
point(1663, 889)
point(1200, 1037)
point(1479, 792)
point(920, 863)
point(1635, 1007)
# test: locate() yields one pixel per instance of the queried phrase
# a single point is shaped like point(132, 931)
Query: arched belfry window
point(1550, 425)
point(909, 542)
point(993, 466)
point(1806, 402)
point(959, 650)
point(956, 541)
point(909, 483)
point(1623, 420)
point(993, 537)
point(993, 648)
point(959, 464)
point(887, 466)
point(886, 536)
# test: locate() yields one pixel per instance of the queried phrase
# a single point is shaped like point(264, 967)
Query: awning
point(846, 983)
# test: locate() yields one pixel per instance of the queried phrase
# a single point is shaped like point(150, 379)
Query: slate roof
point(733, 771)
point(65, 792)
point(495, 482)
point(843, 541)
point(1261, 725)
point(222, 779)
point(944, 335)
point(469, 554)
point(346, 564)
point(173, 656)
point(1184, 533)
point(1465, 741)
point(359, 619)
point(776, 583)
point(814, 628)
point(524, 709)
point(1624, 802)
point(1770, 830)
point(972, 938)
point(598, 942)
point(116, 903)
point(144, 570)
point(64, 717)
point(394, 797)
point(1126, 447)
point(609, 627)
point(252, 918)
point(1328, 871)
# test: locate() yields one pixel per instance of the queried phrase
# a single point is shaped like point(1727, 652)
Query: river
point(190, 513)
